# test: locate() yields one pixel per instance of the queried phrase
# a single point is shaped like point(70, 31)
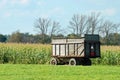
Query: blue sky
point(22, 14)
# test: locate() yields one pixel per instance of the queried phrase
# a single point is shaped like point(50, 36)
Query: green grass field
point(49, 72)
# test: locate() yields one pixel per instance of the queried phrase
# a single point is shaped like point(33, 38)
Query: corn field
point(24, 53)
point(110, 55)
point(14, 53)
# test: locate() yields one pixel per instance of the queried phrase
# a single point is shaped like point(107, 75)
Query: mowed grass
point(49, 72)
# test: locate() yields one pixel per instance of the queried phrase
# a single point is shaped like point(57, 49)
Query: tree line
point(78, 25)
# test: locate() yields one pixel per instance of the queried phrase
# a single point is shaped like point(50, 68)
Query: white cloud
point(56, 11)
point(13, 1)
point(52, 12)
point(106, 12)
point(11, 14)
point(24, 1)
point(3, 3)
point(110, 12)
point(98, 2)
point(41, 3)
point(7, 14)
point(19, 2)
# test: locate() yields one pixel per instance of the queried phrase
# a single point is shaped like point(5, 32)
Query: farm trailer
point(75, 51)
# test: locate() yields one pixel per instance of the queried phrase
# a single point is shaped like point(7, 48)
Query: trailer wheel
point(53, 61)
point(72, 61)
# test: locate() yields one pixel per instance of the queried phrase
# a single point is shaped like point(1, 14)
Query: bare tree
point(78, 24)
point(74, 23)
point(83, 24)
point(42, 27)
point(55, 28)
point(117, 28)
point(100, 27)
point(47, 28)
point(107, 28)
point(93, 21)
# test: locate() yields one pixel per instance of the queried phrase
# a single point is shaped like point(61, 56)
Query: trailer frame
point(75, 51)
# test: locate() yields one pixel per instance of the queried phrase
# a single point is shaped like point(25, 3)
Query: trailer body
point(63, 50)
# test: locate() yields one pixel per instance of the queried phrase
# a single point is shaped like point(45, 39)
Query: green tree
point(15, 37)
point(2, 38)
point(72, 36)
